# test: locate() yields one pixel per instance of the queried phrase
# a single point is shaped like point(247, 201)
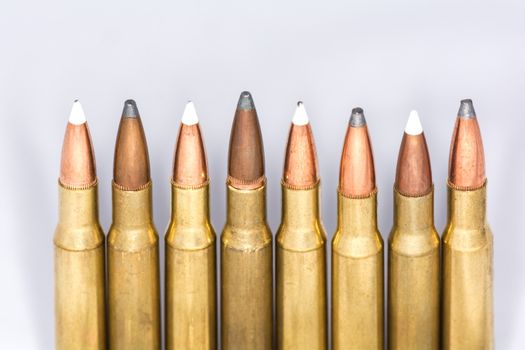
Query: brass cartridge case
point(467, 272)
point(301, 272)
point(357, 276)
point(246, 272)
point(133, 272)
point(79, 272)
point(413, 275)
point(191, 319)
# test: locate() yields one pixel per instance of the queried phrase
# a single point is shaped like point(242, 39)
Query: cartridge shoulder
point(133, 239)
point(81, 238)
point(301, 238)
point(414, 243)
point(357, 246)
point(254, 238)
point(190, 238)
point(467, 239)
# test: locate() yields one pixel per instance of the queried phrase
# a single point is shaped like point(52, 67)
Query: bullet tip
point(130, 109)
point(466, 109)
point(77, 116)
point(300, 117)
point(413, 126)
point(245, 102)
point(357, 118)
point(189, 117)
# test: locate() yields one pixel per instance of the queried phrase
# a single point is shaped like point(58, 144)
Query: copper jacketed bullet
point(300, 249)
point(191, 321)
point(79, 245)
point(413, 259)
point(246, 241)
point(467, 242)
point(357, 247)
point(133, 260)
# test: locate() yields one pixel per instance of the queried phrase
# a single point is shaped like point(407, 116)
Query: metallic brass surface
point(301, 272)
point(133, 273)
point(467, 272)
point(246, 272)
point(191, 320)
point(79, 272)
point(357, 276)
point(413, 275)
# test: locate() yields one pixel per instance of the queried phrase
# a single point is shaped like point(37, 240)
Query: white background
point(387, 57)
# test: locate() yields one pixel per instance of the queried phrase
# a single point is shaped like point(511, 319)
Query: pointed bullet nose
point(245, 102)
point(300, 163)
point(246, 154)
point(357, 118)
point(466, 109)
point(130, 110)
point(131, 169)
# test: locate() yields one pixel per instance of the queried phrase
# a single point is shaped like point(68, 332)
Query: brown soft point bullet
point(131, 165)
point(357, 247)
point(413, 175)
point(246, 241)
point(189, 166)
point(133, 255)
point(80, 322)
point(467, 159)
point(357, 175)
point(301, 246)
point(467, 242)
point(246, 157)
point(77, 168)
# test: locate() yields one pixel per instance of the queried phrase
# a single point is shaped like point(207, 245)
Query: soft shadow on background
point(387, 58)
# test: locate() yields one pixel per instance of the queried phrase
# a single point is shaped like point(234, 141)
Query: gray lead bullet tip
point(130, 109)
point(245, 101)
point(466, 109)
point(358, 117)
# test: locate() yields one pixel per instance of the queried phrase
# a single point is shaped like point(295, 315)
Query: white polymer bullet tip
point(413, 124)
point(77, 115)
point(189, 117)
point(300, 117)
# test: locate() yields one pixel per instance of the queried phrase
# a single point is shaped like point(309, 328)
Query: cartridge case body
point(467, 272)
point(191, 319)
point(301, 272)
point(80, 313)
point(413, 275)
point(246, 272)
point(357, 276)
point(133, 272)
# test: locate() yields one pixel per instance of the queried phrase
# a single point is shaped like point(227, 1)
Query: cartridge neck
point(467, 208)
point(190, 206)
point(78, 207)
point(78, 227)
point(300, 208)
point(357, 216)
point(246, 208)
point(414, 214)
point(132, 208)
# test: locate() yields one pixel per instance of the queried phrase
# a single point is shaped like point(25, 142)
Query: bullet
point(80, 318)
point(133, 254)
point(467, 242)
point(191, 321)
point(301, 255)
point(357, 247)
point(246, 241)
point(413, 261)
